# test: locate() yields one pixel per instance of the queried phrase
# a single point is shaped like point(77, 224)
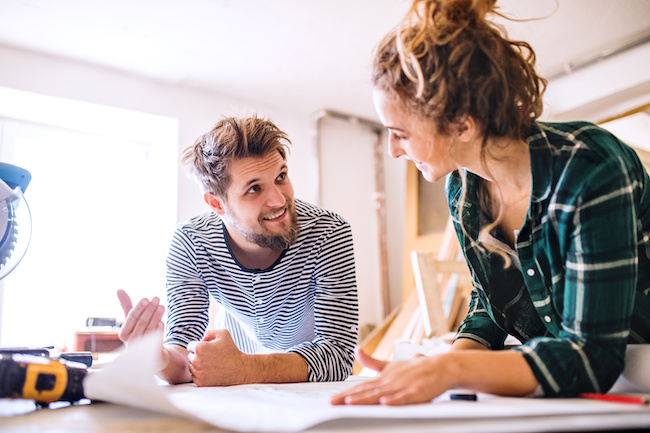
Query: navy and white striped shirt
point(306, 302)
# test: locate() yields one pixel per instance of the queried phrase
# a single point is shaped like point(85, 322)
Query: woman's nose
point(394, 148)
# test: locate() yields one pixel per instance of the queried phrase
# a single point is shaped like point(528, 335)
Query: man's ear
point(215, 202)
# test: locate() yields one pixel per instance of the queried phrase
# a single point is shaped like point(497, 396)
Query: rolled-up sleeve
point(330, 356)
point(187, 295)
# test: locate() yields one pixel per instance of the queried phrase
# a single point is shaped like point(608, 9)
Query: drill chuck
point(40, 379)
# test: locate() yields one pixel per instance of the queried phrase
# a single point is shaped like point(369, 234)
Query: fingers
point(377, 391)
point(370, 392)
point(370, 362)
point(212, 335)
point(217, 334)
point(125, 301)
point(145, 317)
point(367, 393)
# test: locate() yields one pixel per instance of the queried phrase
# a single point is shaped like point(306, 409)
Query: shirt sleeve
point(596, 227)
point(479, 326)
point(187, 296)
point(330, 356)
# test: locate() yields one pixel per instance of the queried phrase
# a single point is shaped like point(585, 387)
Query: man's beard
point(275, 241)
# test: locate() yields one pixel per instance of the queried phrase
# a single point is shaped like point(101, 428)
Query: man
point(281, 270)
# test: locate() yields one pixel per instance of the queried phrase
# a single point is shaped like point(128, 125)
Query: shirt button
point(530, 272)
point(259, 302)
point(548, 319)
point(256, 279)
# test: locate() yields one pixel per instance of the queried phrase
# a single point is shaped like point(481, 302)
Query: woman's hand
point(423, 378)
point(417, 380)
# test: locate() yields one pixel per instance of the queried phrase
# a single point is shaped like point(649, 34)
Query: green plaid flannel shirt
point(583, 291)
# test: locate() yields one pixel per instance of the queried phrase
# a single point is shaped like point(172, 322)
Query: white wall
point(346, 149)
point(195, 110)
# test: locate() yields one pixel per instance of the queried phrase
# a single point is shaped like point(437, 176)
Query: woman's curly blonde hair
point(447, 61)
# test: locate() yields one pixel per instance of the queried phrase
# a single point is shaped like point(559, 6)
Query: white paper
point(129, 380)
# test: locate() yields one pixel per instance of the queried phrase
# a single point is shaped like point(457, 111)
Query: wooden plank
point(432, 272)
point(429, 294)
point(370, 343)
point(384, 349)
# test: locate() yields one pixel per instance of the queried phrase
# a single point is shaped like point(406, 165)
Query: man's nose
point(275, 197)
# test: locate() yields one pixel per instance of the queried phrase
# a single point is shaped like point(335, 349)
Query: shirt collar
point(541, 160)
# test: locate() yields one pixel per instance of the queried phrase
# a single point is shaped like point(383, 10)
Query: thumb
point(211, 335)
point(216, 334)
point(370, 362)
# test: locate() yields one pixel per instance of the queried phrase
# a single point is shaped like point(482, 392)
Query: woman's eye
point(282, 176)
point(397, 136)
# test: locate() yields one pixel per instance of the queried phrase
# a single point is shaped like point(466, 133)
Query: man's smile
point(276, 215)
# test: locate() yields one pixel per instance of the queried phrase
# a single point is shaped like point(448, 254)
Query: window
point(103, 206)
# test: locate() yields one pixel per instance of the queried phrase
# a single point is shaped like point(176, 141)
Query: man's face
point(259, 202)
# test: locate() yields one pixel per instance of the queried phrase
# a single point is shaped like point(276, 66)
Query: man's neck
point(250, 255)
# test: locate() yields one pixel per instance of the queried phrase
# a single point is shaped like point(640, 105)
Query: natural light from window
point(103, 206)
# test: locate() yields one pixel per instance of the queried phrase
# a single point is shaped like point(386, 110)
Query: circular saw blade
point(9, 228)
point(15, 231)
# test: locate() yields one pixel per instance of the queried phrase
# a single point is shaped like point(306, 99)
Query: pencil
point(617, 398)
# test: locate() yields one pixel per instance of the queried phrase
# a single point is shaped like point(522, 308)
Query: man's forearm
point(276, 368)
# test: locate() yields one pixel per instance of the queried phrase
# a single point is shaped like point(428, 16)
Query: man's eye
point(253, 189)
point(282, 176)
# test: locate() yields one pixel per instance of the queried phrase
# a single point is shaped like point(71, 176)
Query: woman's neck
point(508, 181)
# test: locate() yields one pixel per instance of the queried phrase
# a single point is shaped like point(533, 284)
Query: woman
point(555, 220)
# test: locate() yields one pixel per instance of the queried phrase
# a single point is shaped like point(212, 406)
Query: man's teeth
point(272, 217)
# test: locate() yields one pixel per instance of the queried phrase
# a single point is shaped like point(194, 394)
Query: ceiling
point(304, 55)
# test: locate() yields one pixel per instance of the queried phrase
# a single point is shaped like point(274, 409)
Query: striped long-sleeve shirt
point(581, 288)
point(306, 302)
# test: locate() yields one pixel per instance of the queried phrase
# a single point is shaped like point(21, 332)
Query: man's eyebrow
point(249, 183)
point(255, 180)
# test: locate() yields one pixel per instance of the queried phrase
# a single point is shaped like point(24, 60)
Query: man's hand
point(216, 360)
point(144, 318)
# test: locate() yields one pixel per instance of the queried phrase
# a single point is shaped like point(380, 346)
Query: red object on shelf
point(96, 341)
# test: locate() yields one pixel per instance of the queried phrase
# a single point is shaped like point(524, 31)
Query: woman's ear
point(214, 202)
point(467, 129)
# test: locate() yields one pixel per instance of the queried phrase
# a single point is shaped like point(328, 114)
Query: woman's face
point(415, 138)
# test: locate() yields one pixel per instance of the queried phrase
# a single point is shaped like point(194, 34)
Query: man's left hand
point(216, 360)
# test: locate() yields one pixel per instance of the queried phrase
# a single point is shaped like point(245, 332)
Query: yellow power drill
point(40, 378)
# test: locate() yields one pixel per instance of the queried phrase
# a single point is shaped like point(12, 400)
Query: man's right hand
point(145, 317)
